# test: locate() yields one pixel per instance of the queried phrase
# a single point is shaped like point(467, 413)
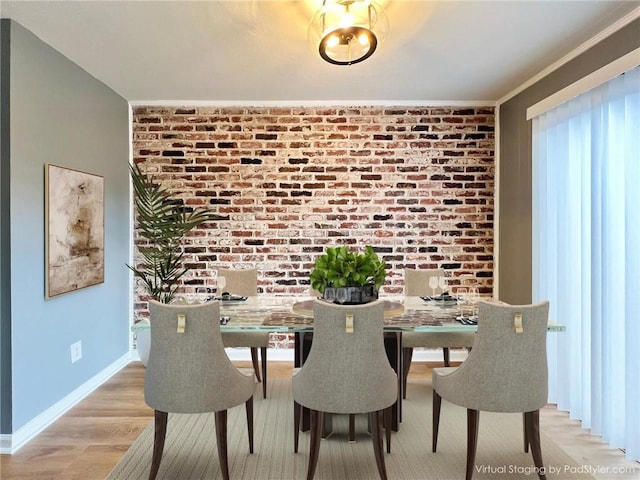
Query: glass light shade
point(347, 31)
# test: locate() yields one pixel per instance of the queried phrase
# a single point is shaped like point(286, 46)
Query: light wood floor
point(89, 440)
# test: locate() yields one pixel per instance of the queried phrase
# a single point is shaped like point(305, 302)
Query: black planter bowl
point(351, 295)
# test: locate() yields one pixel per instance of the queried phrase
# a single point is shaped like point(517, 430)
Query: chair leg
point(297, 413)
point(377, 444)
point(532, 420)
point(447, 357)
point(314, 449)
point(473, 416)
point(387, 427)
point(352, 428)
point(525, 432)
point(407, 353)
point(254, 360)
point(221, 437)
point(263, 361)
point(437, 401)
point(160, 432)
point(249, 409)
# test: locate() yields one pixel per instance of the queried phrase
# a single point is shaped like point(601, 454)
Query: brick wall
point(417, 183)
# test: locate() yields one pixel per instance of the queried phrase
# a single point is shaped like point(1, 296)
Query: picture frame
point(74, 230)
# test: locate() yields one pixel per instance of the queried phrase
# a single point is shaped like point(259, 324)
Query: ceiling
point(256, 51)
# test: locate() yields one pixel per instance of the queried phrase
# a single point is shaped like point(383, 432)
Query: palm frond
point(163, 221)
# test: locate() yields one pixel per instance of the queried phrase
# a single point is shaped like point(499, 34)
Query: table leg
point(400, 368)
point(393, 347)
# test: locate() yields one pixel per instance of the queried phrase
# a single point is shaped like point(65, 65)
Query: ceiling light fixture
point(347, 31)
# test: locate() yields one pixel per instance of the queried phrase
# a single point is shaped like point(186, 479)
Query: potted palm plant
point(348, 277)
point(163, 222)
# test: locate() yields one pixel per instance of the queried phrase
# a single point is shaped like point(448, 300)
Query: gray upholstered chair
point(244, 282)
point(416, 283)
point(189, 372)
point(346, 372)
point(505, 372)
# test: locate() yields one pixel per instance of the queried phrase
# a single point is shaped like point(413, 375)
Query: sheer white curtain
point(586, 255)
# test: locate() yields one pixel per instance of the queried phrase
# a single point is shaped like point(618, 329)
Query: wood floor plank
point(93, 430)
point(95, 462)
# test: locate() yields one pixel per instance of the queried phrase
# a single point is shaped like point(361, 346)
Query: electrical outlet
point(76, 352)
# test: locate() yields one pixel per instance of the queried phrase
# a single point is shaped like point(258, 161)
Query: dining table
point(290, 314)
point(294, 314)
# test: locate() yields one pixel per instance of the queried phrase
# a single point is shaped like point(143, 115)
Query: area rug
point(190, 449)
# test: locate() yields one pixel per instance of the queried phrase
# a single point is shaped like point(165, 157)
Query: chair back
point(189, 371)
point(346, 372)
point(416, 282)
point(506, 371)
point(239, 281)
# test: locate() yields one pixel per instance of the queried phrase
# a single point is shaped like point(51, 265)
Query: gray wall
point(57, 113)
point(5, 253)
point(514, 187)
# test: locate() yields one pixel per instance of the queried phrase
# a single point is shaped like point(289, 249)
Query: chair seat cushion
point(246, 339)
point(438, 339)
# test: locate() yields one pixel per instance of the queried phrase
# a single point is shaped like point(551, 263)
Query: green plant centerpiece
point(344, 276)
point(163, 222)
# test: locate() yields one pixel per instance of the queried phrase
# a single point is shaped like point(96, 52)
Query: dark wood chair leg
point(254, 360)
point(221, 437)
point(160, 432)
point(314, 449)
point(532, 420)
point(352, 428)
point(387, 427)
point(525, 432)
point(249, 409)
point(377, 444)
point(407, 353)
point(297, 413)
point(437, 401)
point(447, 357)
point(473, 417)
point(263, 361)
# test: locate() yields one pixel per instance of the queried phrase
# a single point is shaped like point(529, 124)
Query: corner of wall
point(5, 225)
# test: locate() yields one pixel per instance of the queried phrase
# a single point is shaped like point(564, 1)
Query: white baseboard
point(273, 354)
point(435, 355)
point(10, 444)
point(286, 355)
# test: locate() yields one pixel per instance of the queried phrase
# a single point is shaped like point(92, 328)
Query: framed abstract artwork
point(74, 230)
